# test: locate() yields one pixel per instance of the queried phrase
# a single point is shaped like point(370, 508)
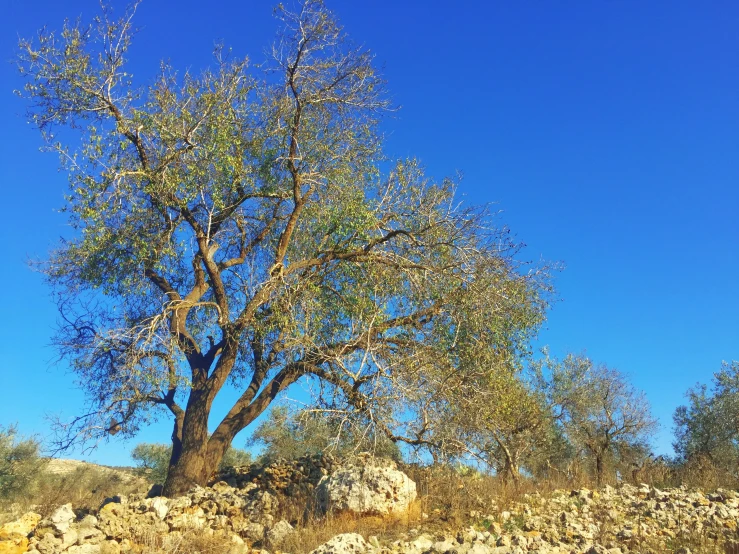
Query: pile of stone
point(294, 478)
point(610, 521)
point(241, 511)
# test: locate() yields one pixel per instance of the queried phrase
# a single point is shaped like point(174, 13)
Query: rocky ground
point(262, 510)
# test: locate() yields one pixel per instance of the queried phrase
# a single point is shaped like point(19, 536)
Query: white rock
point(62, 518)
point(160, 507)
point(279, 532)
point(375, 487)
point(346, 543)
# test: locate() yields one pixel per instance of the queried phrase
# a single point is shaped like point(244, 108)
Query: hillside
point(363, 505)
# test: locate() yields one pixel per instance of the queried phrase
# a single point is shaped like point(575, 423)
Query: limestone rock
point(279, 532)
point(62, 518)
point(373, 487)
point(16, 545)
point(346, 543)
point(21, 527)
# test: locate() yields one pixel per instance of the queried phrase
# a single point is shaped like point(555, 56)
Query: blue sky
point(606, 133)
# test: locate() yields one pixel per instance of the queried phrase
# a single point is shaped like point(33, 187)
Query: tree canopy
point(243, 227)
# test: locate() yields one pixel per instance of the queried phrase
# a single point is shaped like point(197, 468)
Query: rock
point(159, 506)
point(62, 518)
point(85, 549)
point(281, 530)
point(69, 538)
point(21, 527)
point(15, 545)
point(48, 544)
point(377, 487)
point(346, 543)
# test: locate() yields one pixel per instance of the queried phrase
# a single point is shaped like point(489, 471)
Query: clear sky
point(605, 131)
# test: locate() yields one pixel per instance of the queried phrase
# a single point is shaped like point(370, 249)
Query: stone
point(21, 527)
point(160, 507)
point(281, 530)
point(62, 518)
point(85, 549)
point(346, 543)
point(48, 544)
point(377, 487)
point(15, 545)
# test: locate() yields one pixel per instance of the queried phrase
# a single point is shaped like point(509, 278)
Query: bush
point(152, 460)
point(20, 464)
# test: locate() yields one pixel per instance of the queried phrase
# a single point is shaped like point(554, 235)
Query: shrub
point(20, 464)
point(152, 460)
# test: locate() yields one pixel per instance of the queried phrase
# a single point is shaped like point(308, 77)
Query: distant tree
point(152, 460)
point(708, 426)
point(504, 426)
point(600, 411)
point(291, 435)
point(236, 457)
point(236, 229)
point(20, 463)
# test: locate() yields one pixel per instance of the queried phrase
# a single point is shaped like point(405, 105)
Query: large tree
point(242, 228)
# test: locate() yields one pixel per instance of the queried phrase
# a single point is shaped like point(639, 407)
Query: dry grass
point(192, 541)
point(316, 530)
point(85, 488)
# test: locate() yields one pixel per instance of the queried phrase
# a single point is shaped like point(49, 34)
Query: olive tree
point(290, 434)
point(241, 228)
point(708, 426)
point(601, 412)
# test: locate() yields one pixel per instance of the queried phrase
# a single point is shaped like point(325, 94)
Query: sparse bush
point(152, 460)
point(85, 488)
point(20, 464)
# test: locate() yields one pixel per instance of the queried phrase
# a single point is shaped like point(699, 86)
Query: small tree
point(504, 426)
point(152, 460)
point(237, 229)
point(708, 426)
point(600, 411)
point(20, 463)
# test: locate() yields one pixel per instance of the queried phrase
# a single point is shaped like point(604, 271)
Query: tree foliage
point(601, 413)
point(708, 426)
point(20, 464)
point(236, 228)
point(290, 435)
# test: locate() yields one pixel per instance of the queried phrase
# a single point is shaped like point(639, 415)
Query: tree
point(708, 426)
point(600, 411)
point(239, 230)
point(152, 459)
point(20, 464)
point(291, 435)
point(504, 424)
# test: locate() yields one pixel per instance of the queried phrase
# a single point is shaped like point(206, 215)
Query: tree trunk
point(511, 470)
point(599, 469)
point(190, 464)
